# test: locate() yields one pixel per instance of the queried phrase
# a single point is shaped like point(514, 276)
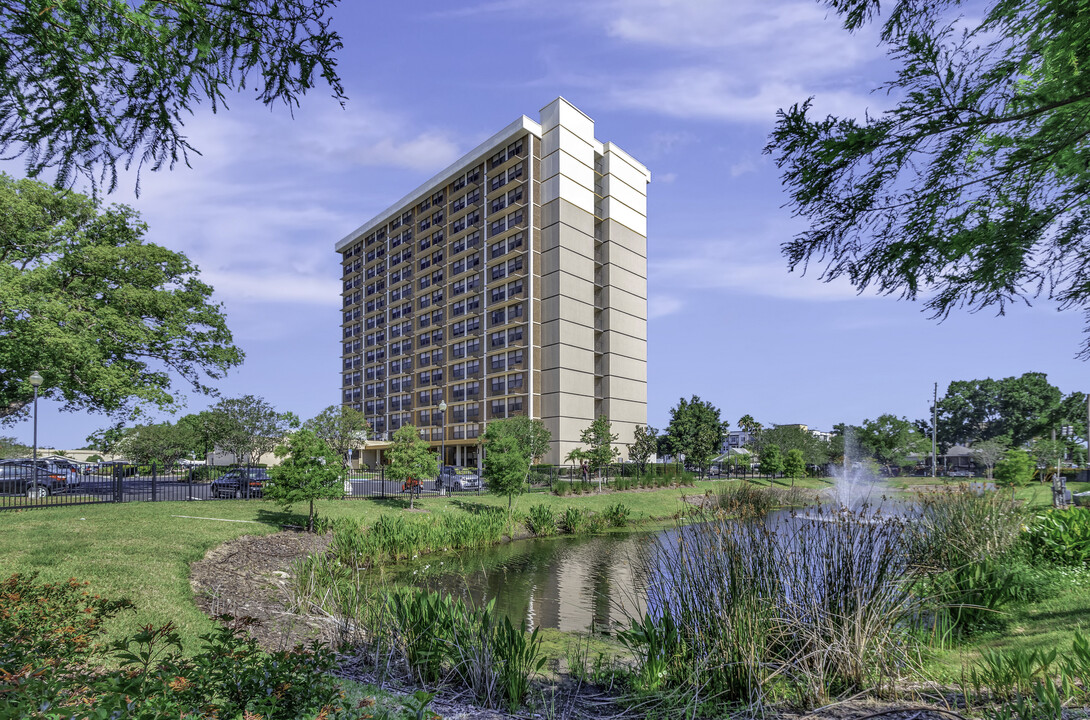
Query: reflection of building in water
point(571, 584)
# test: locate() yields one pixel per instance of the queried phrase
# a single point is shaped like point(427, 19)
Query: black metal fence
point(26, 488)
point(23, 486)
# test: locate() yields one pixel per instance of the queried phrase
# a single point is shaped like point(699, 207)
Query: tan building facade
point(514, 282)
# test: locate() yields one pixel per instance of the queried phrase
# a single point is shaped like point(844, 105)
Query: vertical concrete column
point(567, 203)
point(622, 291)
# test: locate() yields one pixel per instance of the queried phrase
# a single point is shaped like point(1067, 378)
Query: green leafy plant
point(541, 520)
point(617, 515)
point(573, 520)
point(1061, 537)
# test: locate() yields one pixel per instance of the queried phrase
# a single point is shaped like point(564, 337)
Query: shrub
point(541, 520)
point(617, 515)
point(1061, 536)
point(561, 488)
point(573, 520)
point(47, 635)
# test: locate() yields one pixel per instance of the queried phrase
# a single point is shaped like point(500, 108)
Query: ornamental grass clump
point(801, 608)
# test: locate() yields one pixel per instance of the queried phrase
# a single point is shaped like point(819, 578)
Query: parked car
point(240, 483)
point(459, 478)
point(960, 473)
point(34, 482)
point(63, 468)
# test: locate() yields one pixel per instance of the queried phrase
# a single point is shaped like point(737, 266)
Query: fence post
point(382, 480)
point(118, 475)
point(189, 483)
point(154, 482)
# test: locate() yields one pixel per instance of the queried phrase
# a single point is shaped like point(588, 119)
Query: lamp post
point(442, 436)
point(35, 381)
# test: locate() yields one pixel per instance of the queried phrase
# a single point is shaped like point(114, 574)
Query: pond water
point(573, 584)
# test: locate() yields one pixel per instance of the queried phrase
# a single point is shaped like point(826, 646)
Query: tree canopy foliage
point(108, 319)
point(412, 460)
point(645, 442)
point(1016, 408)
point(311, 470)
point(249, 427)
point(599, 439)
point(343, 428)
point(532, 436)
point(815, 451)
point(695, 431)
point(974, 188)
point(891, 440)
point(86, 86)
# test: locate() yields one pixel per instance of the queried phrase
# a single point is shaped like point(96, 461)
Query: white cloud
point(665, 178)
point(660, 305)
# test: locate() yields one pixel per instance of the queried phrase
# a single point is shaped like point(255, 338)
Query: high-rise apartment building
point(514, 282)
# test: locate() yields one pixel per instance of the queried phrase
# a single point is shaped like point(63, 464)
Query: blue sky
point(688, 87)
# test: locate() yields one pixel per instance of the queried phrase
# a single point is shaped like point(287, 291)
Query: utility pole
point(934, 431)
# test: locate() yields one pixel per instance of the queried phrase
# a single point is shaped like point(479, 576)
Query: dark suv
point(240, 483)
point(34, 482)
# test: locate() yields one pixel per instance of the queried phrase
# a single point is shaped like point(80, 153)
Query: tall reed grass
point(395, 537)
point(791, 607)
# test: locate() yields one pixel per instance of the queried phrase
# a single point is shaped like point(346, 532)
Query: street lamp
point(442, 435)
point(35, 381)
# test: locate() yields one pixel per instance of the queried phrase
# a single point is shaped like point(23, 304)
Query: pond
point(572, 584)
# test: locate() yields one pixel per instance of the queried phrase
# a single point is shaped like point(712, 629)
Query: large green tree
point(972, 189)
point(1017, 408)
point(108, 319)
point(506, 466)
point(695, 431)
point(88, 85)
point(343, 428)
point(249, 427)
point(532, 436)
point(159, 442)
point(892, 441)
point(815, 451)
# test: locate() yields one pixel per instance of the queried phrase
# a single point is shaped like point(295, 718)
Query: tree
point(342, 428)
point(747, 424)
point(1016, 468)
point(1018, 408)
point(771, 462)
point(794, 465)
point(311, 470)
point(1048, 454)
point(891, 441)
point(411, 460)
point(645, 443)
point(248, 427)
point(89, 85)
point(12, 448)
point(160, 442)
point(506, 465)
point(972, 187)
point(531, 435)
point(199, 429)
point(793, 437)
point(105, 439)
point(516, 442)
point(600, 452)
point(696, 432)
point(108, 319)
point(989, 452)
